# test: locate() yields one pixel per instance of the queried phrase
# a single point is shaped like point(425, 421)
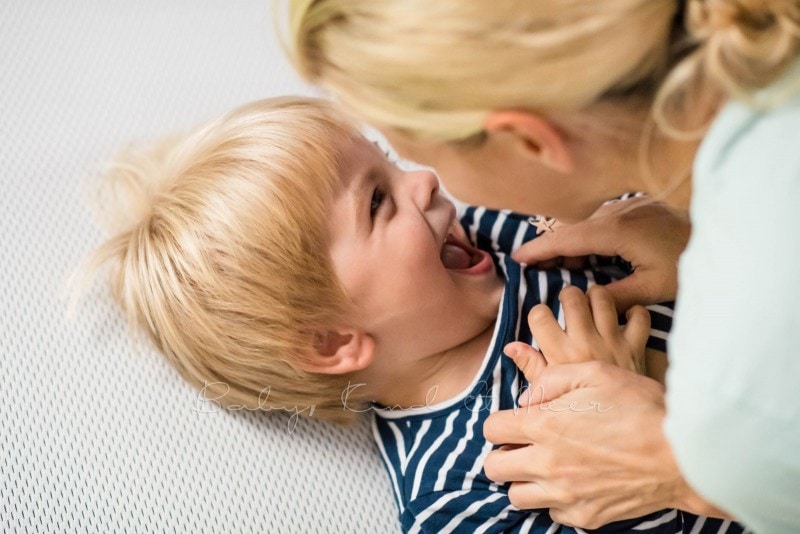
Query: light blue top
point(733, 387)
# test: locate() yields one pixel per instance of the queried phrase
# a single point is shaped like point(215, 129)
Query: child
point(280, 261)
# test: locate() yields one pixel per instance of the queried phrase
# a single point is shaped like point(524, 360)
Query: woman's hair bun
point(745, 44)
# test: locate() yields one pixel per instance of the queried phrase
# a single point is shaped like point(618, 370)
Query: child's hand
point(592, 333)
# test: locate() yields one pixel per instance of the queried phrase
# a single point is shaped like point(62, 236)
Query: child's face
point(414, 294)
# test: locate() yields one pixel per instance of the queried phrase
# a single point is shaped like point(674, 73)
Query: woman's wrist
point(691, 501)
point(687, 499)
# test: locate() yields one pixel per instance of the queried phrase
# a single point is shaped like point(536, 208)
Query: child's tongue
point(454, 257)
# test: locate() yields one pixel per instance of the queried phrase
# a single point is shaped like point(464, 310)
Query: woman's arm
point(733, 398)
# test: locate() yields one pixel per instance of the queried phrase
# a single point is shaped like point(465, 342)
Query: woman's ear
point(341, 351)
point(534, 136)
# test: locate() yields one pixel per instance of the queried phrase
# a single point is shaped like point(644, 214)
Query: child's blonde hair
point(221, 252)
point(433, 70)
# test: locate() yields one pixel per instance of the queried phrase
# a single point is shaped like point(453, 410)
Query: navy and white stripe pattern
point(434, 455)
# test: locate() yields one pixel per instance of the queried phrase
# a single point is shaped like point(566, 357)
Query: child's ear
point(341, 351)
point(534, 136)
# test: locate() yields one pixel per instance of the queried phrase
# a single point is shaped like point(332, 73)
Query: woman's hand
point(589, 447)
point(650, 235)
point(592, 331)
point(587, 440)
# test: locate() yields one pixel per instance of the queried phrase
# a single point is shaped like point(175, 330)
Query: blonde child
point(277, 259)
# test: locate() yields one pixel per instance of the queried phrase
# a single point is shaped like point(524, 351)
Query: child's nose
point(425, 188)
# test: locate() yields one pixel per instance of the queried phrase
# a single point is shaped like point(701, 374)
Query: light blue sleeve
point(733, 387)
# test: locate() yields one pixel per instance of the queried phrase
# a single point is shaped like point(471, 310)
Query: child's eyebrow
point(387, 152)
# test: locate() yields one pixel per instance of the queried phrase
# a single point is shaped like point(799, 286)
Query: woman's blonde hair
point(433, 70)
point(220, 252)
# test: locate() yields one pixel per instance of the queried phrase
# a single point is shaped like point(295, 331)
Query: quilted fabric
point(95, 436)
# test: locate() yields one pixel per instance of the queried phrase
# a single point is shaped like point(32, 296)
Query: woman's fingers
point(526, 493)
point(531, 496)
point(503, 464)
point(580, 239)
point(591, 236)
point(548, 334)
point(638, 288)
point(577, 318)
point(637, 331)
point(649, 235)
point(508, 427)
point(522, 425)
point(597, 455)
point(529, 360)
point(604, 312)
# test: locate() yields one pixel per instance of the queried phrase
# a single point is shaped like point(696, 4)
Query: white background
point(92, 436)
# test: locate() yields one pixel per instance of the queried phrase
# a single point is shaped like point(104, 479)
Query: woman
point(554, 107)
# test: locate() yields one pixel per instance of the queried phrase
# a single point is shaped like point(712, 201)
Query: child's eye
point(376, 201)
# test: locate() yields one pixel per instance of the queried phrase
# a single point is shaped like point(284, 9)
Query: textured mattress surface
point(95, 436)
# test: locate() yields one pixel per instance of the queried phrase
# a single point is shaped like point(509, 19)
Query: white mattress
point(92, 436)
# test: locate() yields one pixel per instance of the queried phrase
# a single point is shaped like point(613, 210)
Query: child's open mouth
point(458, 255)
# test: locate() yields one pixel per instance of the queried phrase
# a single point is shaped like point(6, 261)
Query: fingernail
point(511, 351)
